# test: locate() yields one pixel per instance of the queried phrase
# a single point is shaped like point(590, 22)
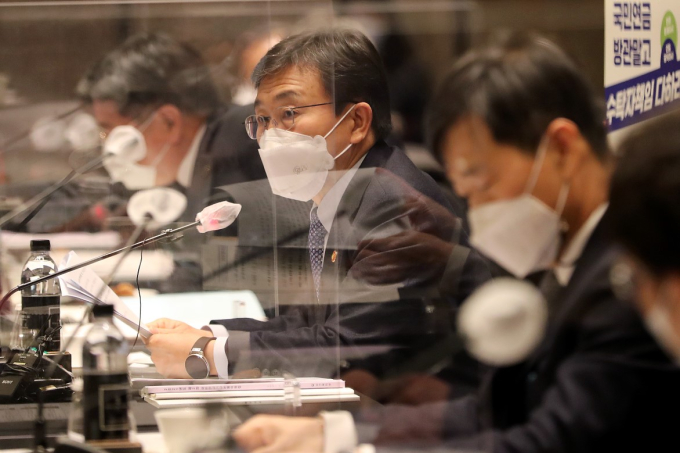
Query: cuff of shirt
point(217, 330)
point(339, 433)
point(220, 351)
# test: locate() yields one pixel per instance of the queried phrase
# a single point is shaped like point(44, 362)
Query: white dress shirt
point(567, 262)
point(326, 211)
point(185, 172)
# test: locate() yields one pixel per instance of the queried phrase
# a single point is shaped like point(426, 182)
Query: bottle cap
point(101, 310)
point(40, 245)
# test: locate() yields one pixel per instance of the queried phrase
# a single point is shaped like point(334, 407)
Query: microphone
point(217, 216)
point(126, 150)
point(160, 206)
point(7, 144)
point(503, 321)
point(500, 324)
point(211, 218)
point(49, 191)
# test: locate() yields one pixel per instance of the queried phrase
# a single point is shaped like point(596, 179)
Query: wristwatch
point(196, 364)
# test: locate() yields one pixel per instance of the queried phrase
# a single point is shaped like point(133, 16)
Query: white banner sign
point(642, 70)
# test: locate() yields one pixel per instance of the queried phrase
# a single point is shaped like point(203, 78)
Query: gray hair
point(151, 69)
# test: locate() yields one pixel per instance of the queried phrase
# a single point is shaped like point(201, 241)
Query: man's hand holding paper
point(166, 325)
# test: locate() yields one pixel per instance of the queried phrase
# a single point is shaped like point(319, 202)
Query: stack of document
point(247, 392)
point(85, 285)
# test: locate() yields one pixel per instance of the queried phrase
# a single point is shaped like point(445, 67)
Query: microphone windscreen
point(47, 134)
point(83, 132)
point(126, 143)
point(163, 204)
point(503, 321)
point(217, 216)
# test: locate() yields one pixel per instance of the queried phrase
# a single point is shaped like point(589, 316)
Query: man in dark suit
point(522, 138)
point(322, 104)
point(158, 93)
point(163, 89)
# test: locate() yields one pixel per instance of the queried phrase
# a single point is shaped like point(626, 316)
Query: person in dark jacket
point(322, 104)
point(521, 136)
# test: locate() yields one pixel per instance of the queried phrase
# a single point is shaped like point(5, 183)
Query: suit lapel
point(342, 238)
point(341, 235)
point(568, 304)
point(201, 181)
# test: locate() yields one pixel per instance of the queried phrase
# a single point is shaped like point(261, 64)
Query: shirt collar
point(567, 262)
point(185, 172)
point(330, 202)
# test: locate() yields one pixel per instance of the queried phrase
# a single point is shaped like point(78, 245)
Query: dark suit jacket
point(226, 155)
point(349, 314)
point(598, 382)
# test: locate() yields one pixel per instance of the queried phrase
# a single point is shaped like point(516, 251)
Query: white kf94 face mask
point(296, 164)
point(521, 234)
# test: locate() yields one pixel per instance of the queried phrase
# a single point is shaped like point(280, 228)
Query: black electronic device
point(10, 387)
point(24, 388)
point(24, 359)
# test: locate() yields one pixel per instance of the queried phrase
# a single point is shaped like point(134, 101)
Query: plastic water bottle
point(105, 380)
point(40, 302)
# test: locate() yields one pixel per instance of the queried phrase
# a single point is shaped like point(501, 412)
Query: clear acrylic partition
point(381, 312)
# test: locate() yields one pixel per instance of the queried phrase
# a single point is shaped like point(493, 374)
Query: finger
point(157, 341)
point(364, 252)
point(396, 241)
point(247, 439)
point(163, 330)
point(378, 274)
point(160, 322)
point(250, 434)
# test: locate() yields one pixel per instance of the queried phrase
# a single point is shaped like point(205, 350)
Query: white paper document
point(83, 284)
point(253, 400)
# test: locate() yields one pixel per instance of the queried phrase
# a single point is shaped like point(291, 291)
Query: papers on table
point(85, 285)
point(253, 400)
point(233, 385)
point(239, 392)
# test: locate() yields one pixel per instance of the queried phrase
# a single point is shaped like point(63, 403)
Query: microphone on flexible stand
point(27, 132)
point(212, 218)
point(45, 195)
point(127, 150)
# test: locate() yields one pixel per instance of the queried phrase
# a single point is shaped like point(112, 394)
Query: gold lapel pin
point(334, 256)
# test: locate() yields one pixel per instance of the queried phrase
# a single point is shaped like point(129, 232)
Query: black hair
point(349, 66)
point(151, 69)
point(517, 86)
point(644, 207)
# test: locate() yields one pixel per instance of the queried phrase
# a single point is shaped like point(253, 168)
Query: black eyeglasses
point(283, 118)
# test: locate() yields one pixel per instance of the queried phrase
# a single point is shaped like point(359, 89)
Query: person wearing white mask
point(645, 218)
point(162, 122)
point(521, 136)
point(321, 116)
